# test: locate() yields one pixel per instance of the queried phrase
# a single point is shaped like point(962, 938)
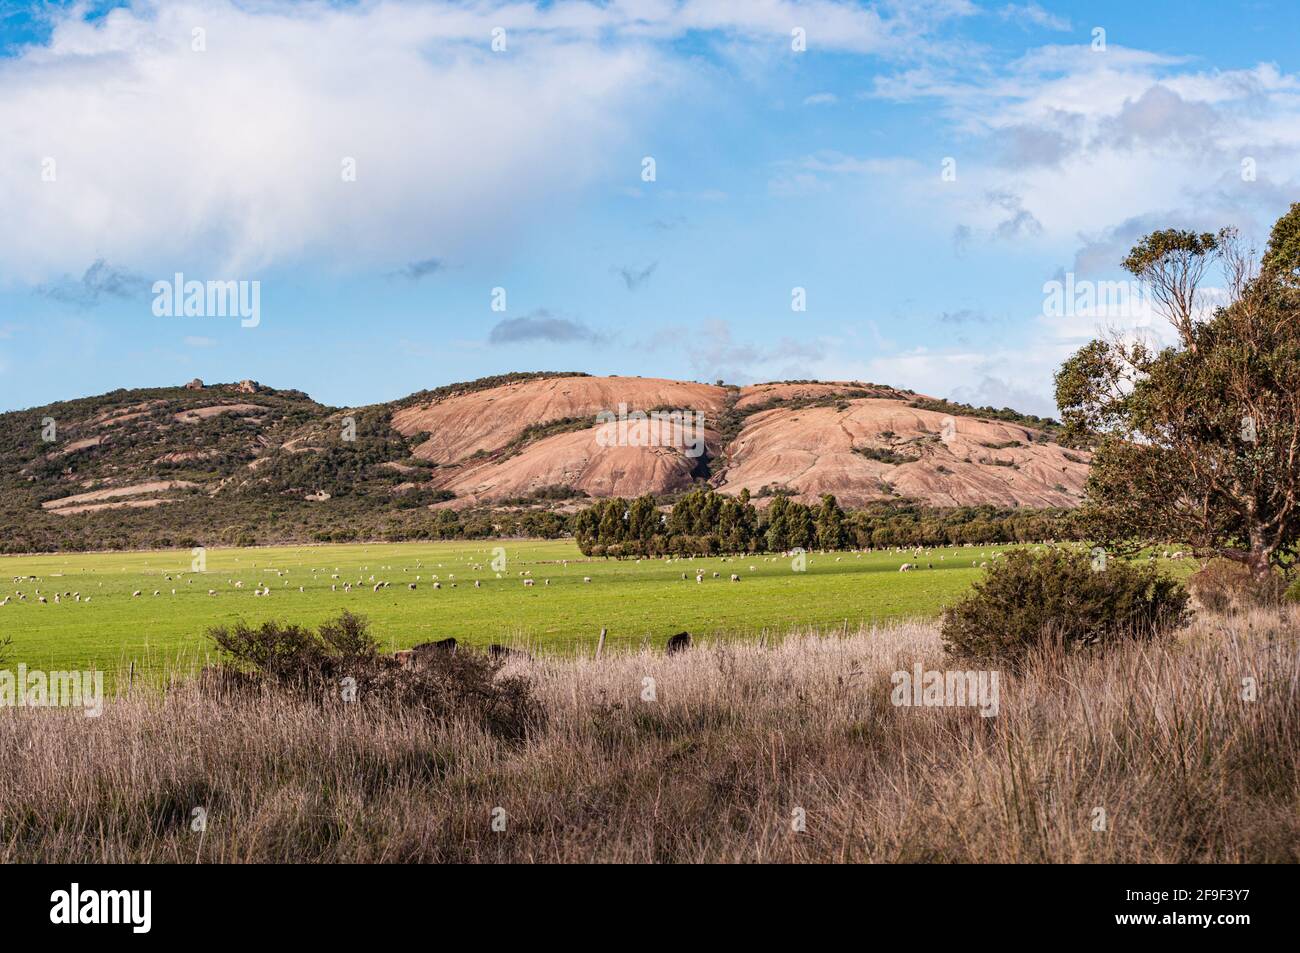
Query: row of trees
point(705, 522)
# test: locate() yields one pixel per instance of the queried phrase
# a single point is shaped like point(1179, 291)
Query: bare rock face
point(486, 421)
point(861, 442)
point(195, 384)
point(876, 449)
point(248, 387)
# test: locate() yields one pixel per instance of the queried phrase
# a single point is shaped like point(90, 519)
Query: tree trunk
point(1260, 560)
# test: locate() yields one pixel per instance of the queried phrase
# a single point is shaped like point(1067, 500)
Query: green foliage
point(535, 432)
point(1162, 245)
point(884, 455)
point(704, 522)
point(1030, 600)
point(445, 685)
point(1196, 442)
point(1046, 425)
point(1282, 257)
point(480, 384)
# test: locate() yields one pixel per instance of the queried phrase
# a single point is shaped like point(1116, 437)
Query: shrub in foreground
point(340, 662)
point(1224, 585)
point(1032, 599)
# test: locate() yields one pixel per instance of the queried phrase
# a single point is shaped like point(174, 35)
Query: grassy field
point(635, 601)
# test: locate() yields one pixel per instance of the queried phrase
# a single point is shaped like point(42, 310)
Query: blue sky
point(208, 138)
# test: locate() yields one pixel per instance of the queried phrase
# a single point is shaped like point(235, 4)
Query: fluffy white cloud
point(230, 157)
point(1088, 140)
point(233, 156)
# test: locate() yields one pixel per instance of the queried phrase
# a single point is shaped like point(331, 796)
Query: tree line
point(705, 522)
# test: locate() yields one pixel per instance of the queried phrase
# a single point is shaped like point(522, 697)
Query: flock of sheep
point(377, 584)
point(264, 589)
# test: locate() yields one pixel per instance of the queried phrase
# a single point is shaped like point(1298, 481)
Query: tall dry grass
point(738, 738)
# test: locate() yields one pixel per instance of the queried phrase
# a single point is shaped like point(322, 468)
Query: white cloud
point(1089, 141)
point(231, 158)
point(1031, 14)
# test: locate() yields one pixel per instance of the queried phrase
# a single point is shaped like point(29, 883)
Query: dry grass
point(738, 738)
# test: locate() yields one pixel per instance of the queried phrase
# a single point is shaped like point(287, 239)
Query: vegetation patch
point(1031, 601)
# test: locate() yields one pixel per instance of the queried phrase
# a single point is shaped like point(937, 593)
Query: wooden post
point(130, 679)
point(600, 646)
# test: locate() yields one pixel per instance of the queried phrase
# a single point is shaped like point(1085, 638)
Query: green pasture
point(648, 600)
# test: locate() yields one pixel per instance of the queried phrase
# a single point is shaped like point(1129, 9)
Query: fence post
point(600, 646)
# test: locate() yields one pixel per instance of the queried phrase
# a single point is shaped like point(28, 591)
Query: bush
point(444, 685)
point(1031, 599)
point(1224, 585)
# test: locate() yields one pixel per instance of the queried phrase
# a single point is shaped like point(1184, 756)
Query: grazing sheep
point(437, 585)
point(212, 592)
point(906, 567)
point(586, 579)
point(134, 595)
point(41, 600)
point(410, 585)
point(528, 582)
point(477, 584)
point(735, 577)
point(678, 643)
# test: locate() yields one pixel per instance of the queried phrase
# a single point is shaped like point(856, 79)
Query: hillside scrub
point(1157, 735)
